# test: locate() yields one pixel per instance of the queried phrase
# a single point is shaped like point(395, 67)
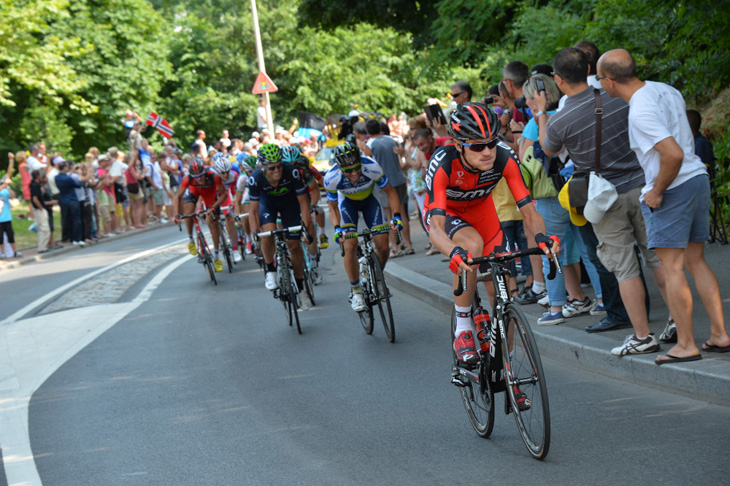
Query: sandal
point(410, 251)
point(432, 251)
point(396, 253)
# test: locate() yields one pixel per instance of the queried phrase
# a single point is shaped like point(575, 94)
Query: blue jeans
point(557, 222)
point(514, 233)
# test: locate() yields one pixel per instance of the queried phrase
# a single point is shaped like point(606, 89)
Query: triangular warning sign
point(263, 84)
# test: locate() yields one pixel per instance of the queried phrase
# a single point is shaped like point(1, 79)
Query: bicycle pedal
point(459, 380)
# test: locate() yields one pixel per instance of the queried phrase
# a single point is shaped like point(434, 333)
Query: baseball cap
point(564, 199)
point(601, 196)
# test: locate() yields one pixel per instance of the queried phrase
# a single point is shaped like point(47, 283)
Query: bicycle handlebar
point(505, 257)
point(290, 229)
point(365, 232)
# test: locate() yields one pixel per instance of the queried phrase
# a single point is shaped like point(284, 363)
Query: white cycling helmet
point(221, 163)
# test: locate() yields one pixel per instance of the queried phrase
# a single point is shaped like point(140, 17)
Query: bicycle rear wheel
point(207, 257)
point(381, 290)
point(524, 373)
point(308, 276)
point(242, 245)
point(478, 398)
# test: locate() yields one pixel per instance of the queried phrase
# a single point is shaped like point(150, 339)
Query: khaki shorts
point(136, 196)
point(621, 228)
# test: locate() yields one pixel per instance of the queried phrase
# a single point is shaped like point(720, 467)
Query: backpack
point(538, 182)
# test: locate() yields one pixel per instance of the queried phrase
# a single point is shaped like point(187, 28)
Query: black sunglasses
point(479, 147)
point(272, 168)
point(454, 95)
point(598, 78)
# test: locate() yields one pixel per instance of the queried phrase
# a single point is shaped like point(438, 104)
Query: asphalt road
point(203, 385)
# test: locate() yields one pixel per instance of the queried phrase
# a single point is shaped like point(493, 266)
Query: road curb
point(708, 379)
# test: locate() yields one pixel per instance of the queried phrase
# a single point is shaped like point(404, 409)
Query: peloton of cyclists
point(202, 183)
point(277, 190)
point(349, 185)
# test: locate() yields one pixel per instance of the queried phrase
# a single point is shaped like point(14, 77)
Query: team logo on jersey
point(458, 182)
point(279, 191)
point(460, 173)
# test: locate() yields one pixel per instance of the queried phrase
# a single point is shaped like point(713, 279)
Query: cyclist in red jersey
point(459, 211)
point(202, 183)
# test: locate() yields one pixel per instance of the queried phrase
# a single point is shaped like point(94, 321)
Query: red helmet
point(473, 121)
point(197, 167)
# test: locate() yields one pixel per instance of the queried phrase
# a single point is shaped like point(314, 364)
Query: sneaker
point(523, 403)
point(598, 310)
point(317, 277)
point(550, 319)
point(323, 242)
point(669, 335)
point(271, 281)
point(357, 302)
point(191, 248)
point(545, 301)
point(17, 254)
point(237, 258)
point(529, 297)
point(577, 307)
point(305, 303)
point(464, 348)
point(249, 251)
point(218, 265)
point(634, 345)
point(163, 220)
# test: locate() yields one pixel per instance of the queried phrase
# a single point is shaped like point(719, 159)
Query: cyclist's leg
point(290, 216)
point(231, 229)
point(372, 214)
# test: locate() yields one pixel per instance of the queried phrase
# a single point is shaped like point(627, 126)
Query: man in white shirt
point(675, 199)
point(33, 160)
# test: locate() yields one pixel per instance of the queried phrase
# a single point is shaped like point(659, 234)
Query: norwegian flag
point(156, 121)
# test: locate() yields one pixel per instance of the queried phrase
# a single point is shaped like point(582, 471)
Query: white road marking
point(35, 348)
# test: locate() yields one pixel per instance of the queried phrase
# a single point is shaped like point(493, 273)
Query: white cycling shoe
point(357, 301)
point(237, 257)
point(271, 281)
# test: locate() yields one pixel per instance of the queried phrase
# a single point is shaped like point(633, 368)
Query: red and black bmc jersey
point(454, 189)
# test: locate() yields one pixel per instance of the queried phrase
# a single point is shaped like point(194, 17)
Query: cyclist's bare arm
point(253, 216)
point(393, 199)
point(305, 209)
point(334, 211)
point(441, 240)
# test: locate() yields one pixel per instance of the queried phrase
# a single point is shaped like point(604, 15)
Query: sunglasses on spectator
point(272, 168)
point(598, 78)
point(454, 95)
point(480, 146)
point(348, 170)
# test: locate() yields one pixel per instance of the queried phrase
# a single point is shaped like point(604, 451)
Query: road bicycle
point(224, 245)
point(204, 255)
point(287, 292)
point(241, 236)
point(509, 360)
point(256, 247)
point(372, 279)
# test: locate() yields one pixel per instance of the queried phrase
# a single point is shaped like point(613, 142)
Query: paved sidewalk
point(429, 279)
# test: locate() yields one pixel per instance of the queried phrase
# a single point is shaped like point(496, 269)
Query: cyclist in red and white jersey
point(459, 211)
point(202, 183)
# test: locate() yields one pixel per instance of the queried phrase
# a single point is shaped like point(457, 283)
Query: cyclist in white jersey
point(349, 185)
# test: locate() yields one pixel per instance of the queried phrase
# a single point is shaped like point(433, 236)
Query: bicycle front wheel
point(283, 273)
point(367, 317)
point(525, 381)
point(225, 245)
point(293, 293)
point(380, 289)
point(478, 398)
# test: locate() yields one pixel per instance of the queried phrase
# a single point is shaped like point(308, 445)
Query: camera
point(521, 103)
point(488, 100)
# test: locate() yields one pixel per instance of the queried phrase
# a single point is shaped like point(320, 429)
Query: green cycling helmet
point(250, 161)
point(269, 154)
